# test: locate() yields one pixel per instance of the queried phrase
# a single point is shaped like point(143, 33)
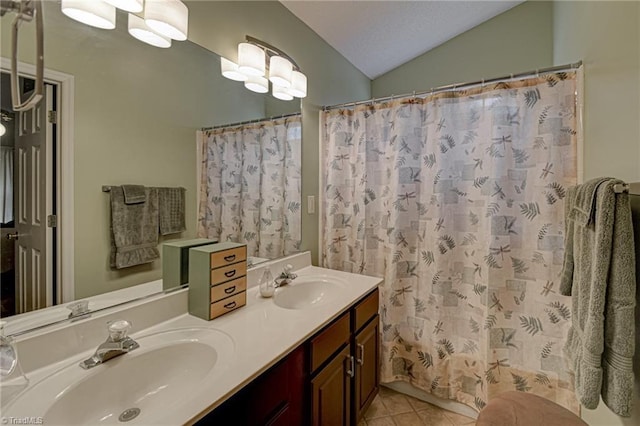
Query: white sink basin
point(308, 292)
point(142, 385)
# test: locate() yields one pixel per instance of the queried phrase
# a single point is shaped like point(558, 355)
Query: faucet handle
point(288, 268)
point(118, 330)
point(78, 308)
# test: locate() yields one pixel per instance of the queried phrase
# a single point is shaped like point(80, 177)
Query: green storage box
point(175, 261)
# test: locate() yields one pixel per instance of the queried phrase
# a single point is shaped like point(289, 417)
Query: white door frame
point(65, 196)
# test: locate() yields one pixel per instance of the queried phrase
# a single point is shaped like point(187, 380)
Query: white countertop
point(263, 333)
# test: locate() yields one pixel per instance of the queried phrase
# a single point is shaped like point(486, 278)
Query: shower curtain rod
point(257, 120)
point(449, 87)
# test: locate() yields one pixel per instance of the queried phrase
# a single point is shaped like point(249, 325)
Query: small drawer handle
point(230, 258)
point(230, 305)
point(230, 289)
point(229, 274)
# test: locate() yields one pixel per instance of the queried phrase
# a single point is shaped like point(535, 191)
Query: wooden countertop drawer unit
point(221, 291)
point(217, 279)
point(329, 341)
point(227, 273)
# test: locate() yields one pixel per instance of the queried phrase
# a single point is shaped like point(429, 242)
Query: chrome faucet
point(285, 277)
point(8, 355)
point(118, 343)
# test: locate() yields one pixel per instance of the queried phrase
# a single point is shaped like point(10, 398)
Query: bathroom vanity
point(330, 379)
point(309, 355)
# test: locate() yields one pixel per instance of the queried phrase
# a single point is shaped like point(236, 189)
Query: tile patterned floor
point(391, 408)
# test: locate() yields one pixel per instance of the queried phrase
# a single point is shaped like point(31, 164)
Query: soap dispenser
point(267, 284)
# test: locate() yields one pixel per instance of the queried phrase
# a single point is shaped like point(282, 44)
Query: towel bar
point(107, 188)
point(627, 188)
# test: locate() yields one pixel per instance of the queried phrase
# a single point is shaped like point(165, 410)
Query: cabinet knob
point(360, 359)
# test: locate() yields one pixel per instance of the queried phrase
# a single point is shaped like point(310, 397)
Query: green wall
point(518, 40)
point(606, 36)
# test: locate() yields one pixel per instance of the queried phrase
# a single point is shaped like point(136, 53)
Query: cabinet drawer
point(329, 341)
point(365, 310)
point(227, 257)
point(227, 289)
point(228, 304)
point(227, 273)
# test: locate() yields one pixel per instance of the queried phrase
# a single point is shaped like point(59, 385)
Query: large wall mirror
point(136, 112)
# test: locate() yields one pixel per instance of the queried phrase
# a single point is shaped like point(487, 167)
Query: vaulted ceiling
point(378, 36)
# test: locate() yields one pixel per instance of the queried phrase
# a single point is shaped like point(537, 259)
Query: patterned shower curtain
point(456, 199)
point(250, 186)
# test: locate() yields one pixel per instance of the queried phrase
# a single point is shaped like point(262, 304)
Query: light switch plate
point(311, 204)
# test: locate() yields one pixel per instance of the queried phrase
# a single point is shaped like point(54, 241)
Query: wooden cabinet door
point(331, 391)
point(367, 367)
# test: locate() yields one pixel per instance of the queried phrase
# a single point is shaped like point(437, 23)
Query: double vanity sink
point(309, 292)
point(141, 385)
point(185, 367)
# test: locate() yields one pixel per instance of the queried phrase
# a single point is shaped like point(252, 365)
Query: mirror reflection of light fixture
point(4, 117)
point(167, 17)
point(138, 28)
point(156, 21)
point(286, 78)
point(281, 93)
point(257, 84)
point(230, 70)
point(133, 6)
point(94, 13)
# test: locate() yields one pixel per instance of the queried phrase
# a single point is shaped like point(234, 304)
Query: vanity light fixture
point(167, 17)
point(280, 70)
point(154, 22)
point(298, 84)
point(139, 29)
point(251, 59)
point(94, 13)
point(255, 58)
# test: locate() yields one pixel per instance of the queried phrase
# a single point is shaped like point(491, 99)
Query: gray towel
point(134, 229)
point(172, 206)
point(134, 194)
point(599, 274)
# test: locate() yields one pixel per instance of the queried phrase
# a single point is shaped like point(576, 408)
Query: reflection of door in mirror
point(27, 255)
